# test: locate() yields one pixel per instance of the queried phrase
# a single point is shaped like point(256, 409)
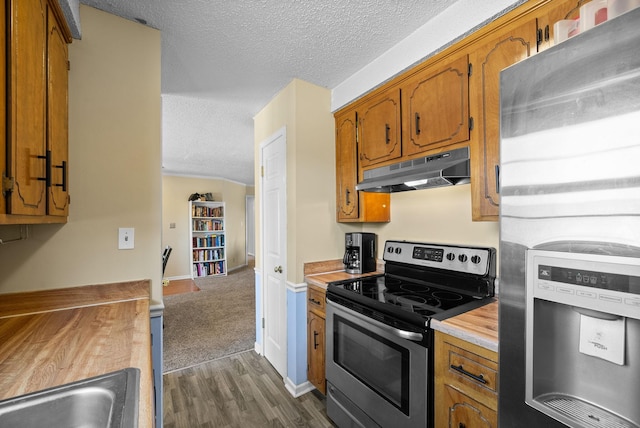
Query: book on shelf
point(208, 255)
point(201, 225)
point(205, 211)
point(208, 241)
point(209, 268)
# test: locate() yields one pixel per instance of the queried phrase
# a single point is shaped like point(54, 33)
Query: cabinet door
point(3, 109)
point(435, 107)
point(346, 167)
point(512, 45)
point(379, 129)
point(315, 351)
point(351, 205)
point(465, 412)
point(27, 106)
point(57, 120)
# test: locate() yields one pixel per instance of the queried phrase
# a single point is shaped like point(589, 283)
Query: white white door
point(274, 246)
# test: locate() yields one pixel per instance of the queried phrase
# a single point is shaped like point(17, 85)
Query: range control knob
point(475, 259)
point(451, 257)
point(398, 250)
point(390, 250)
point(462, 258)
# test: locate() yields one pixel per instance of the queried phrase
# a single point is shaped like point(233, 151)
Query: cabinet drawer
point(472, 370)
point(316, 300)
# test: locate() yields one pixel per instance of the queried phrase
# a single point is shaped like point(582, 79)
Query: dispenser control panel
point(604, 283)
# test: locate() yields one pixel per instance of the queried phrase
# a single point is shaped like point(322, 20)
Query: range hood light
point(416, 183)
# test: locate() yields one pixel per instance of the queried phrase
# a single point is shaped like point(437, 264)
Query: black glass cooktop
point(416, 302)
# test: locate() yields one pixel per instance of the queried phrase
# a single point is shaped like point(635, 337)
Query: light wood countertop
point(53, 337)
point(322, 273)
point(479, 326)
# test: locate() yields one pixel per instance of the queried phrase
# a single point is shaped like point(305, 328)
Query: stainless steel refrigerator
point(570, 233)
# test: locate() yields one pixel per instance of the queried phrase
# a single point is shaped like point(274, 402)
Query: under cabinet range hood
point(442, 169)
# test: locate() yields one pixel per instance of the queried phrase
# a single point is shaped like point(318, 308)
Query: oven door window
point(380, 364)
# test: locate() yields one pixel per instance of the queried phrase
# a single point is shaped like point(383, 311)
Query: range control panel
point(473, 260)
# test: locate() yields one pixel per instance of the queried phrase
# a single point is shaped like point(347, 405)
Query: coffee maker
point(359, 252)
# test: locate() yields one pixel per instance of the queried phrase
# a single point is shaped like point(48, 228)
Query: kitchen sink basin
point(106, 401)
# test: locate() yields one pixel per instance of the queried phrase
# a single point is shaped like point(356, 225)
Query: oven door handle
point(403, 334)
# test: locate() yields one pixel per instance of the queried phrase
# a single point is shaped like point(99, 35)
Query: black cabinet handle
point(417, 124)
point(348, 193)
point(314, 301)
point(539, 36)
point(63, 167)
point(498, 179)
point(315, 340)
point(386, 130)
point(47, 173)
point(547, 35)
point(461, 425)
point(480, 378)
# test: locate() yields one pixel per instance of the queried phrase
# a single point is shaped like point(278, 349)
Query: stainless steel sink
point(105, 401)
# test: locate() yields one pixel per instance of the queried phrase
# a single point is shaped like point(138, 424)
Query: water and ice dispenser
point(583, 338)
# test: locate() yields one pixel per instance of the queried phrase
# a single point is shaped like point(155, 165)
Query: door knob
point(278, 269)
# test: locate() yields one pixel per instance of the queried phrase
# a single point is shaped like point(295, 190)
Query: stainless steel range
point(379, 341)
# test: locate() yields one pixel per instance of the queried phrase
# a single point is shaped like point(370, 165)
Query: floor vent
point(584, 413)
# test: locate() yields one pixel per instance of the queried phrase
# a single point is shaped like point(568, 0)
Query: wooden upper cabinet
point(35, 170)
point(435, 107)
point(379, 129)
point(346, 167)
point(351, 205)
point(511, 44)
point(58, 121)
point(27, 106)
point(3, 108)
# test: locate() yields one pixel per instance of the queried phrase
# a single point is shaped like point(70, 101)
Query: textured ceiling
point(223, 61)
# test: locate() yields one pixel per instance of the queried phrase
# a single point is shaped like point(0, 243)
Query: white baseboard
point(170, 278)
point(257, 348)
point(298, 390)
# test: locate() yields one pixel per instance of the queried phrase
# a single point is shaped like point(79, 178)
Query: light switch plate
point(125, 238)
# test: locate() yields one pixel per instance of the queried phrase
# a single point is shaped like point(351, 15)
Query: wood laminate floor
point(242, 390)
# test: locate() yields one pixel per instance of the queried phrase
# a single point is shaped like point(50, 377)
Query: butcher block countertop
point(322, 273)
point(53, 337)
point(479, 326)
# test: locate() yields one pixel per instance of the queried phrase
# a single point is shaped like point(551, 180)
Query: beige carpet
point(215, 322)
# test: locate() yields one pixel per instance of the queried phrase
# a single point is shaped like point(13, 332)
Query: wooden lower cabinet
point(466, 384)
point(316, 337)
point(465, 412)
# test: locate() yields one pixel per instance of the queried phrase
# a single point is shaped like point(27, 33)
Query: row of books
point(205, 225)
point(199, 211)
point(208, 241)
point(209, 268)
point(208, 255)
